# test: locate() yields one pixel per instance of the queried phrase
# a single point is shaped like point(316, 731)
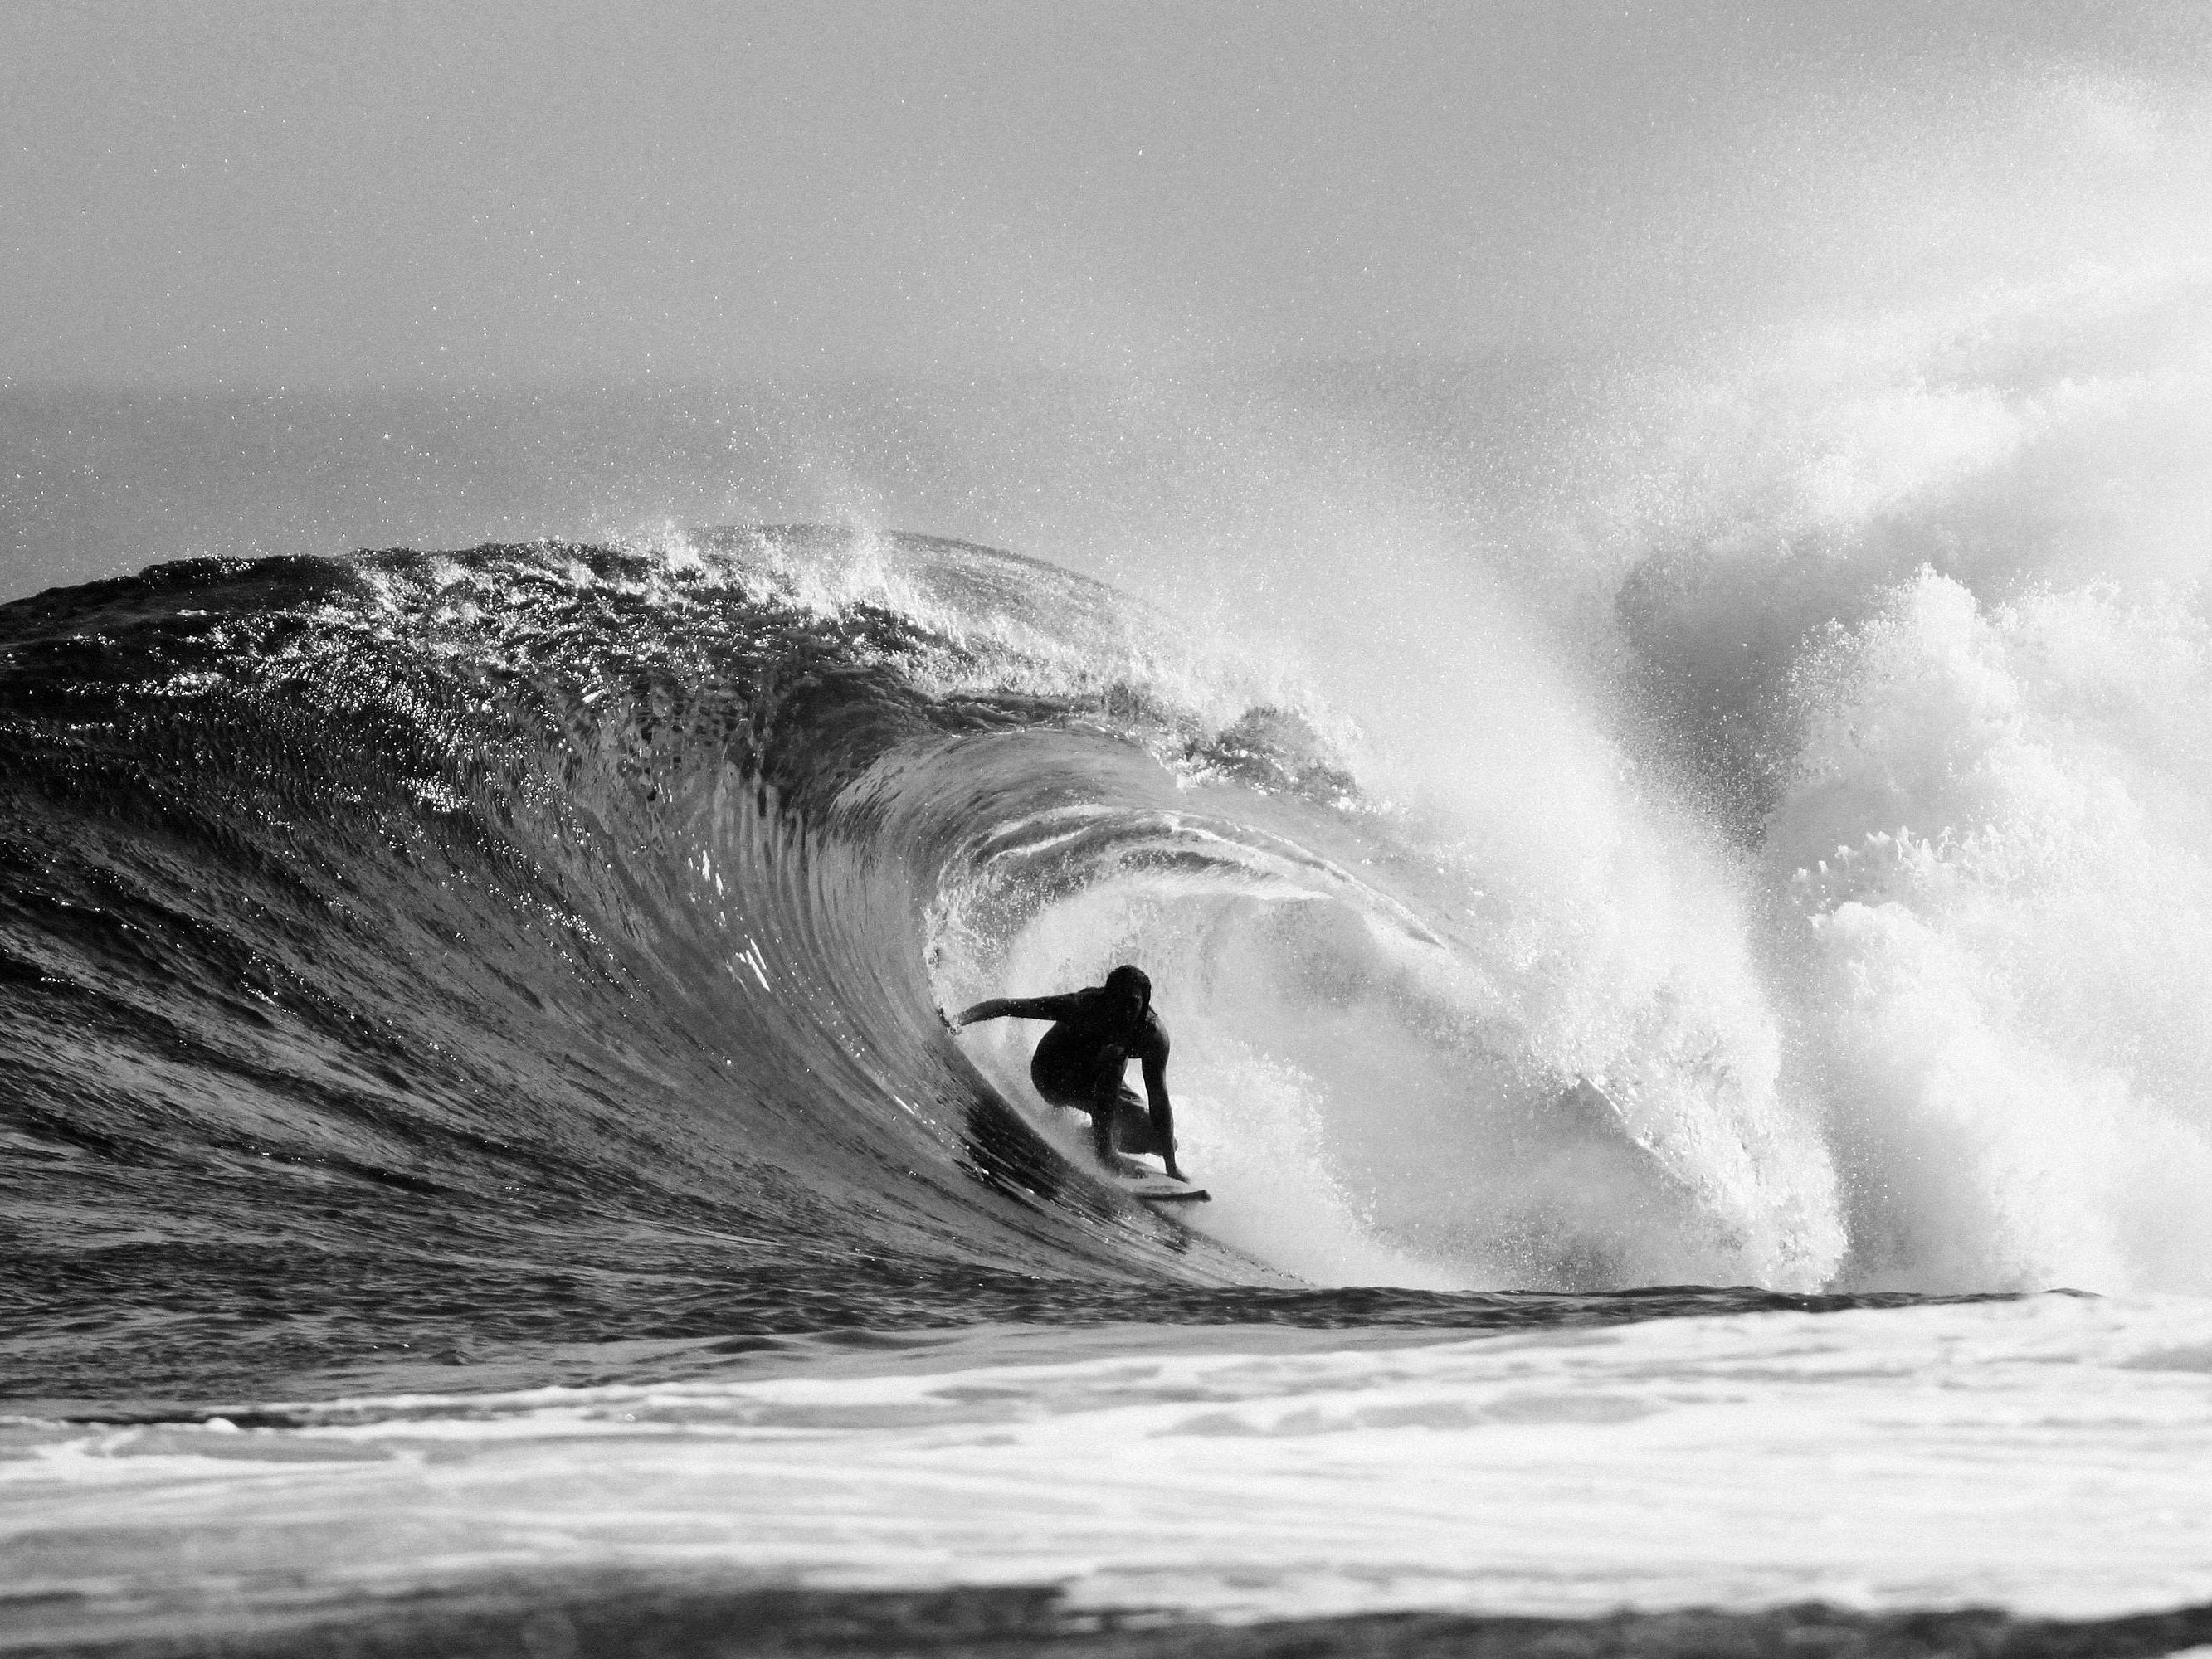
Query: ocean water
point(1701, 1067)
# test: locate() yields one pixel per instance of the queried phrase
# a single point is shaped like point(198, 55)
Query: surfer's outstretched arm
point(1059, 1007)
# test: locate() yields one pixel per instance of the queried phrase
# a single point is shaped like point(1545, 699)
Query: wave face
point(415, 956)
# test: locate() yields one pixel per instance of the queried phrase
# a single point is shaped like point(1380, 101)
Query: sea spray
point(2001, 994)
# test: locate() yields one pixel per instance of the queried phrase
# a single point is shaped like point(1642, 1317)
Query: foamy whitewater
point(1689, 997)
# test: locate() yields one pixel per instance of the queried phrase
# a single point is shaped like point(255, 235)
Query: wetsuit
point(1081, 1063)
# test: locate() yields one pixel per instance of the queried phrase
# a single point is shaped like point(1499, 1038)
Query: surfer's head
point(1131, 988)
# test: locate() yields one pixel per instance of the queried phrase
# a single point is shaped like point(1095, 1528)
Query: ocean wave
point(419, 953)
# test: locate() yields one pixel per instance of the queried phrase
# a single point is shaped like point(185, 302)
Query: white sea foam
point(2005, 989)
point(2049, 1456)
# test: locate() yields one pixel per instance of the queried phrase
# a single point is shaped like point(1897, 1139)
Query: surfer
point(1081, 1062)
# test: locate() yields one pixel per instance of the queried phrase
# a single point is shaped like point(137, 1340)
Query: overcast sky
point(399, 192)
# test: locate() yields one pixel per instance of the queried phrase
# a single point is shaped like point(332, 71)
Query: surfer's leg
point(1133, 1124)
point(1105, 1103)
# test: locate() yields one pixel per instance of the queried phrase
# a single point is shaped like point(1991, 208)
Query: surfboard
point(1158, 1190)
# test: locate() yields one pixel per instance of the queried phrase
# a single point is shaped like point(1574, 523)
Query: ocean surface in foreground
point(2051, 1456)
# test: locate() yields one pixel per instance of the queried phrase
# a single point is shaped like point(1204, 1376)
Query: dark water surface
point(520, 1619)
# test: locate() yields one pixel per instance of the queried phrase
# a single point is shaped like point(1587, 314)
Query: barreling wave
point(417, 955)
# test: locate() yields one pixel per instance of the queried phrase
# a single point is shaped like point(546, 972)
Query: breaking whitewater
point(481, 1145)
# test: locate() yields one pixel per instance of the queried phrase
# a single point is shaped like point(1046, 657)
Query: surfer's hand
point(948, 1022)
